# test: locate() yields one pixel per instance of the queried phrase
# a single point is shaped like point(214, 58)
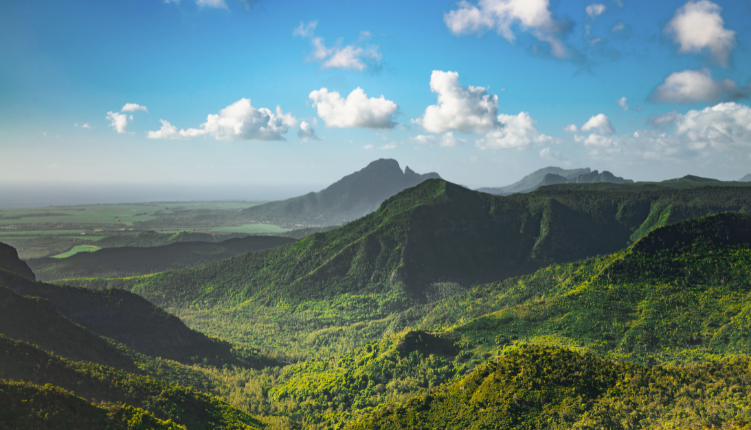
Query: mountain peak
point(383, 164)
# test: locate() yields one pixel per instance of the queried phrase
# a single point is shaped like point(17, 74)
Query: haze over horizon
point(228, 99)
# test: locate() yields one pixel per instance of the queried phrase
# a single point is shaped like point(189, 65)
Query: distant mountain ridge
point(584, 178)
point(532, 181)
point(746, 178)
point(348, 199)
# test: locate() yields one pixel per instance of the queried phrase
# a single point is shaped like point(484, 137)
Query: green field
point(76, 250)
point(58, 230)
point(253, 229)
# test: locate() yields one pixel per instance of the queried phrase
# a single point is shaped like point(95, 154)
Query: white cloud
point(697, 26)
point(368, 146)
point(339, 57)
point(600, 123)
point(219, 4)
point(466, 109)
point(516, 132)
point(85, 125)
point(723, 129)
point(595, 41)
point(618, 27)
point(447, 140)
point(238, 121)
point(533, 16)
point(133, 107)
point(307, 132)
point(571, 128)
point(391, 145)
point(170, 132)
point(118, 121)
point(550, 155)
point(356, 111)
point(595, 9)
point(691, 86)
point(622, 103)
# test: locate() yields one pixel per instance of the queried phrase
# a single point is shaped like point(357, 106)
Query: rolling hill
point(348, 199)
point(677, 297)
point(135, 261)
point(126, 318)
point(422, 245)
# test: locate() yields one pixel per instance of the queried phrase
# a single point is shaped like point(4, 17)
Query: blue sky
point(85, 86)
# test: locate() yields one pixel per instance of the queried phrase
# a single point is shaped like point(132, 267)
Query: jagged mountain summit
point(584, 178)
point(348, 199)
point(532, 181)
point(746, 178)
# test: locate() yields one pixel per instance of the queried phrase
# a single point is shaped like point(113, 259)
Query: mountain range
point(555, 176)
point(348, 199)
point(574, 305)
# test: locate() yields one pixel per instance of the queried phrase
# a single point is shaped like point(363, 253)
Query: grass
point(253, 228)
point(76, 250)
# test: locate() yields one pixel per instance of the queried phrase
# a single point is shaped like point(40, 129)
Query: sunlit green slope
point(552, 388)
point(681, 295)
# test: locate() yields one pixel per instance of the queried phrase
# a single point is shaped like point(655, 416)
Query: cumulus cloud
point(691, 86)
point(622, 103)
point(356, 111)
point(723, 129)
point(599, 123)
point(307, 132)
point(516, 132)
point(697, 26)
point(219, 4)
point(571, 128)
point(595, 9)
point(238, 121)
point(550, 155)
point(467, 109)
point(338, 56)
point(532, 16)
point(447, 140)
point(170, 132)
point(133, 107)
point(118, 121)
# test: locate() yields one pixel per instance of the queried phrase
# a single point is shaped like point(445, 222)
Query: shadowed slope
point(9, 261)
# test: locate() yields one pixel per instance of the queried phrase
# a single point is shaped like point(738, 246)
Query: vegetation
point(76, 249)
point(28, 406)
point(127, 318)
point(171, 402)
point(552, 388)
point(132, 261)
point(574, 306)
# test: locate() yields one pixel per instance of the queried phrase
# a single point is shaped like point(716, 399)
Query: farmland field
point(62, 231)
point(76, 250)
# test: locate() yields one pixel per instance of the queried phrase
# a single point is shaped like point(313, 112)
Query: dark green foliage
point(132, 261)
point(37, 321)
point(9, 261)
point(551, 388)
point(348, 199)
point(183, 405)
point(27, 406)
point(127, 318)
